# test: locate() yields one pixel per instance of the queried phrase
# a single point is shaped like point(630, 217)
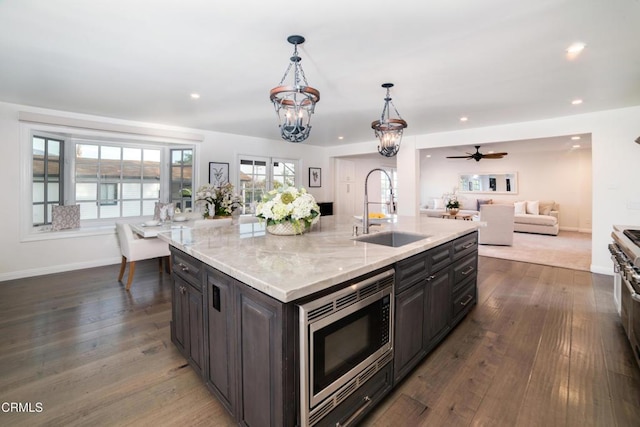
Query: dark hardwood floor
point(543, 347)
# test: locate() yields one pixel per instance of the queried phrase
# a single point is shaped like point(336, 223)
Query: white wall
point(564, 177)
point(22, 259)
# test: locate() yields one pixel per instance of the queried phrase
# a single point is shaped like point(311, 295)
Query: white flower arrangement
point(222, 198)
point(288, 204)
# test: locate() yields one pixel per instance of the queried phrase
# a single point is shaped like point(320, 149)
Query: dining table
point(150, 231)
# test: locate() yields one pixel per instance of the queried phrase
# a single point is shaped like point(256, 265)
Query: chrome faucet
point(365, 217)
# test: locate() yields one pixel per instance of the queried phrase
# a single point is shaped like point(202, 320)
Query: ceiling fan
point(478, 155)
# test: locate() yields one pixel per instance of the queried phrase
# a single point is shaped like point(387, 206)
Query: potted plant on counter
point(288, 211)
point(218, 201)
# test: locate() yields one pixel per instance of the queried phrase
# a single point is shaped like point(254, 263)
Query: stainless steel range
point(625, 254)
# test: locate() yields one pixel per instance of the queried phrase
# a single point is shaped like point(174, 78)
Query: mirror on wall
point(495, 183)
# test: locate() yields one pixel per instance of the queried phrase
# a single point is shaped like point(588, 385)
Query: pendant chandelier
point(294, 103)
point(388, 130)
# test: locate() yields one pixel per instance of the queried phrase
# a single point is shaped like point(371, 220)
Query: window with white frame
point(47, 184)
point(261, 174)
point(114, 181)
point(108, 179)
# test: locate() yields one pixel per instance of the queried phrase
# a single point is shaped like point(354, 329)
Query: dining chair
point(134, 248)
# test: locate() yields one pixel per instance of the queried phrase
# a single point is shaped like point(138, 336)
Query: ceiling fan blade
point(458, 157)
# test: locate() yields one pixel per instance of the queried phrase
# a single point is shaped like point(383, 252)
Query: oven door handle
point(635, 296)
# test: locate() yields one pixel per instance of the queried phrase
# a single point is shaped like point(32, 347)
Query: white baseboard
point(57, 269)
point(579, 230)
point(598, 269)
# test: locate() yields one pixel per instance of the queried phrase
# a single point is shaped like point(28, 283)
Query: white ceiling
point(495, 61)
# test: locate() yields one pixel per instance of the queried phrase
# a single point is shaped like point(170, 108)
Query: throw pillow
point(158, 206)
point(546, 207)
point(483, 202)
point(519, 208)
point(533, 207)
point(64, 217)
point(438, 204)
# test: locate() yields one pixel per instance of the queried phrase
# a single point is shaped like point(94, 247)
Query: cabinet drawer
point(439, 257)
point(187, 268)
point(464, 300)
point(465, 269)
point(361, 402)
point(465, 245)
point(410, 271)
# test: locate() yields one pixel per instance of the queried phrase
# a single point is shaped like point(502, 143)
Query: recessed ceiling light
point(576, 145)
point(575, 138)
point(576, 48)
point(428, 156)
point(464, 119)
point(195, 96)
point(341, 137)
point(576, 101)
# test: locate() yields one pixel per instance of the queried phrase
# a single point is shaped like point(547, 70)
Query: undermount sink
point(393, 239)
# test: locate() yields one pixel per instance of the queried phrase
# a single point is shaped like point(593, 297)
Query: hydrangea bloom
point(288, 204)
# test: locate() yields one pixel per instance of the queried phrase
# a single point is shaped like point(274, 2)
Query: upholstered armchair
point(135, 248)
point(498, 225)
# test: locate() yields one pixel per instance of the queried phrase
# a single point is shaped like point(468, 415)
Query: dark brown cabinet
point(187, 322)
point(410, 328)
point(244, 343)
point(438, 306)
point(239, 340)
point(220, 360)
point(434, 291)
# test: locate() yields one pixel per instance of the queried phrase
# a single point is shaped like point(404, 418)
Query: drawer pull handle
point(367, 402)
point(469, 299)
point(431, 278)
point(468, 270)
point(183, 267)
point(468, 245)
point(183, 290)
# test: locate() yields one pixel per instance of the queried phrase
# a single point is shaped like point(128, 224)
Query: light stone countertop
point(291, 267)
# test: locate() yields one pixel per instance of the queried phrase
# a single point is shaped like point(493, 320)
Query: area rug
point(569, 249)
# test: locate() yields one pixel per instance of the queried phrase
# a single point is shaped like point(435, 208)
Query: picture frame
point(315, 177)
point(218, 173)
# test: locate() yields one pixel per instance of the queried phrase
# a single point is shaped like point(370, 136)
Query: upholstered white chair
point(498, 228)
point(134, 248)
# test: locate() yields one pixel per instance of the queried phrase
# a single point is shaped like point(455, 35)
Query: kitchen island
point(237, 292)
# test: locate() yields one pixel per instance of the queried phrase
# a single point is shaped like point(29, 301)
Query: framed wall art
point(315, 176)
point(218, 173)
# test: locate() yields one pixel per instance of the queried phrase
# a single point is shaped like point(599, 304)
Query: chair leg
point(160, 264)
point(123, 265)
point(167, 264)
point(132, 269)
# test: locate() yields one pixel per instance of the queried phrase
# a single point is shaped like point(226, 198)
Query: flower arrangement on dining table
point(221, 199)
point(288, 205)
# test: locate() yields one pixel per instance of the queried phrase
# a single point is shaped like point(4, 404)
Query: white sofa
point(545, 221)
